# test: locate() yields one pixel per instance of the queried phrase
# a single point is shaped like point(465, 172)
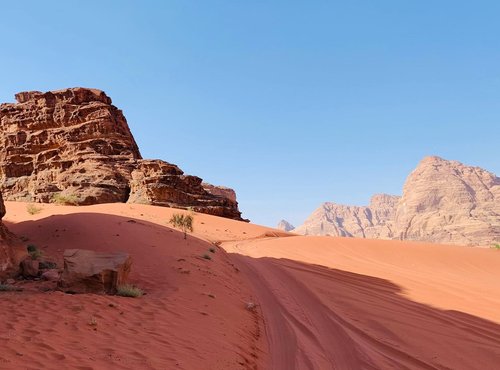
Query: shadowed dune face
point(323, 318)
point(447, 277)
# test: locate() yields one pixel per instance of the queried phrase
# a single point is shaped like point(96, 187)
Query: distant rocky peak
point(443, 202)
point(285, 226)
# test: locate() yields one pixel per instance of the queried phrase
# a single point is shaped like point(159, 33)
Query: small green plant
point(128, 290)
point(183, 222)
point(9, 288)
point(207, 256)
point(212, 250)
point(65, 199)
point(34, 252)
point(47, 265)
point(496, 246)
point(33, 209)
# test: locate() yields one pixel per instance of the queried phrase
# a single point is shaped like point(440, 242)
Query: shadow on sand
point(322, 318)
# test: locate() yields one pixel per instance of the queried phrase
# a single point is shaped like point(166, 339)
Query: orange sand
point(192, 317)
point(323, 303)
point(340, 303)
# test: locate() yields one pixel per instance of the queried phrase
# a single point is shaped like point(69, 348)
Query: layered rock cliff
point(448, 202)
point(443, 202)
point(373, 221)
point(75, 143)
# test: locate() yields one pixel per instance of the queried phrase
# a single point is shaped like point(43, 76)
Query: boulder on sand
point(87, 271)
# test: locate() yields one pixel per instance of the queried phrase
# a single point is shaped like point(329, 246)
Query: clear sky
point(291, 103)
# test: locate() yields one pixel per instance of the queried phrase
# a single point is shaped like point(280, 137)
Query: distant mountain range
point(443, 202)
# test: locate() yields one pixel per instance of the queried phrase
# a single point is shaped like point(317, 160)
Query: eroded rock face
point(443, 202)
point(374, 221)
point(448, 202)
point(87, 271)
point(11, 251)
point(69, 141)
point(220, 191)
point(74, 142)
point(160, 183)
point(285, 225)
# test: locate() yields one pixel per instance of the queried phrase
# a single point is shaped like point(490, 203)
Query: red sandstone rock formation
point(76, 144)
point(87, 271)
point(11, 251)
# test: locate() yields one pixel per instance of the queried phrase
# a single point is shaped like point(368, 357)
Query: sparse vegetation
point(207, 256)
point(9, 288)
point(212, 250)
point(65, 199)
point(128, 290)
point(47, 265)
point(183, 222)
point(496, 246)
point(33, 209)
point(34, 252)
point(250, 306)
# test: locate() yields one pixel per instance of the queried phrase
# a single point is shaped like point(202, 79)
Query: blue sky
point(291, 103)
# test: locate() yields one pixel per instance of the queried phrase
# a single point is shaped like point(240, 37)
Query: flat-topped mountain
point(74, 143)
point(443, 202)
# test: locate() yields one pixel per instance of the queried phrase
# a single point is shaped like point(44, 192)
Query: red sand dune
point(193, 316)
point(323, 303)
point(340, 303)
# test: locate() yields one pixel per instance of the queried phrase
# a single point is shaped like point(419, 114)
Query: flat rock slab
point(88, 271)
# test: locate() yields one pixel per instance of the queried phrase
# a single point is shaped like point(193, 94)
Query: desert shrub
point(128, 290)
point(251, 306)
point(65, 199)
point(212, 250)
point(183, 222)
point(34, 252)
point(497, 247)
point(207, 256)
point(47, 265)
point(9, 288)
point(33, 209)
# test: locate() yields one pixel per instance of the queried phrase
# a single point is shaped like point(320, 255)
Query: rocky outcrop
point(164, 184)
point(75, 143)
point(373, 221)
point(220, 191)
point(448, 202)
point(285, 226)
point(92, 272)
point(443, 202)
point(11, 251)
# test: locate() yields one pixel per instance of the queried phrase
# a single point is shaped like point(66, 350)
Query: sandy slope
point(323, 303)
point(337, 303)
point(193, 316)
